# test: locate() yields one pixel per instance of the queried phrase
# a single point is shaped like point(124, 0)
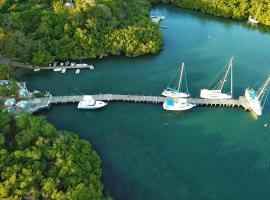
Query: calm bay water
point(147, 153)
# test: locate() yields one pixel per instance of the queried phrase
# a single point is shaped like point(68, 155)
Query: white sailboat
point(177, 104)
point(254, 20)
point(176, 92)
point(255, 99)
point(89, 103)
point(217, 93)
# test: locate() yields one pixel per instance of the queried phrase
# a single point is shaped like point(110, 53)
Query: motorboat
point(81, 65)
point(175, 91)
point(63, 70)
point(77, 71)
point(89, 103)
point(58, 69)
point(91, 67)
point(216, 92)
point(36, 69)
point(177, 104)
point(253, 20)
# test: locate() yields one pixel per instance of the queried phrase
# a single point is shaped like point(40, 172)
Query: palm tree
point(5, 71)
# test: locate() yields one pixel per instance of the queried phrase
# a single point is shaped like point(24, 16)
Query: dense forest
point(236, 9)
point(41, 31)
point(39, 162)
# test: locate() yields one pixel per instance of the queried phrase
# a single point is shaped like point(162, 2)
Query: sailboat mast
point(227, 72)
point(231, 77)
point(260, 96)
point(181, 75)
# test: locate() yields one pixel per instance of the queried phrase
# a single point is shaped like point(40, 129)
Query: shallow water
point(147, 153)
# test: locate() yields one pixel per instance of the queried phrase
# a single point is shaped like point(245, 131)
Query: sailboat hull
point(175, 94)
point(214, 94)
point(253, 101)
point(177, 105)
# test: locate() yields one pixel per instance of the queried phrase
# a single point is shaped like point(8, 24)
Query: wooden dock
point(241, 102)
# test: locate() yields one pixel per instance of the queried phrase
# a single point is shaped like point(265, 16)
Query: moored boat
point(176, 92)
point(216, 92)
point(77, 71)
point(177, 104)
point(257, 100)
point(57, 69)
point(63, 70)
point(89, 103)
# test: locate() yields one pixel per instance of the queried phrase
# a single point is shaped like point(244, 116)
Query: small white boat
point(177, 104)
point(89, 103)
point(72, 64)
point(67, 63)
point(55, 64)
point(61, 64)
point(77, 71)
point(58, 69)
point(91, 67)
point(63, 70)
point(252, 20)
point(255, 99)
point(175, 92)
point(37, 69)
point(217, 93)
point(81, 65)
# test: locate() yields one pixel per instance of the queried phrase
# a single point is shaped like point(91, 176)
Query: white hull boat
point(257, 100)
point(58, 69)
point(253, 21)
point(36, 69)
point(217, 93)
point(214, 94)
point(77, 71)
point(89, 103)
point(253, 101)
point(177, 105)
point(63, 70)
point(91, 67)
point(176, 92)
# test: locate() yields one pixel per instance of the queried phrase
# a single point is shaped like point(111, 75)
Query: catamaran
point(89, 103)
point(176, 92)
point(177, 104)
point(216, 92)
point(255, 99)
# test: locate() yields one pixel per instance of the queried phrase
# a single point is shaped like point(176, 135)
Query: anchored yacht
point(216, 92)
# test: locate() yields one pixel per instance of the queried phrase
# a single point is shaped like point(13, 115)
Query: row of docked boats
point(63, 66)
point(178, 94)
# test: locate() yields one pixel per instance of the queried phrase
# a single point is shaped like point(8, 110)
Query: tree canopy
point(39, 162)
point(40, 32)
point(236, 9)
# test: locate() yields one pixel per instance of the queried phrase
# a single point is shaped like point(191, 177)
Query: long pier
point(241, 102)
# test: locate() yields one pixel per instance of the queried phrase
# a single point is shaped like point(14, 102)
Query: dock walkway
point(241, 102)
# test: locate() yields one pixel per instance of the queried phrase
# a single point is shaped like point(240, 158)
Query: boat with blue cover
point(177, 104)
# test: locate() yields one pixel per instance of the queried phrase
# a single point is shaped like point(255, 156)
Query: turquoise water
point(147, 153)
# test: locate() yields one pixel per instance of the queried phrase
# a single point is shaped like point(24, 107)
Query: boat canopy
point(169, 102)
point(88, 98)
